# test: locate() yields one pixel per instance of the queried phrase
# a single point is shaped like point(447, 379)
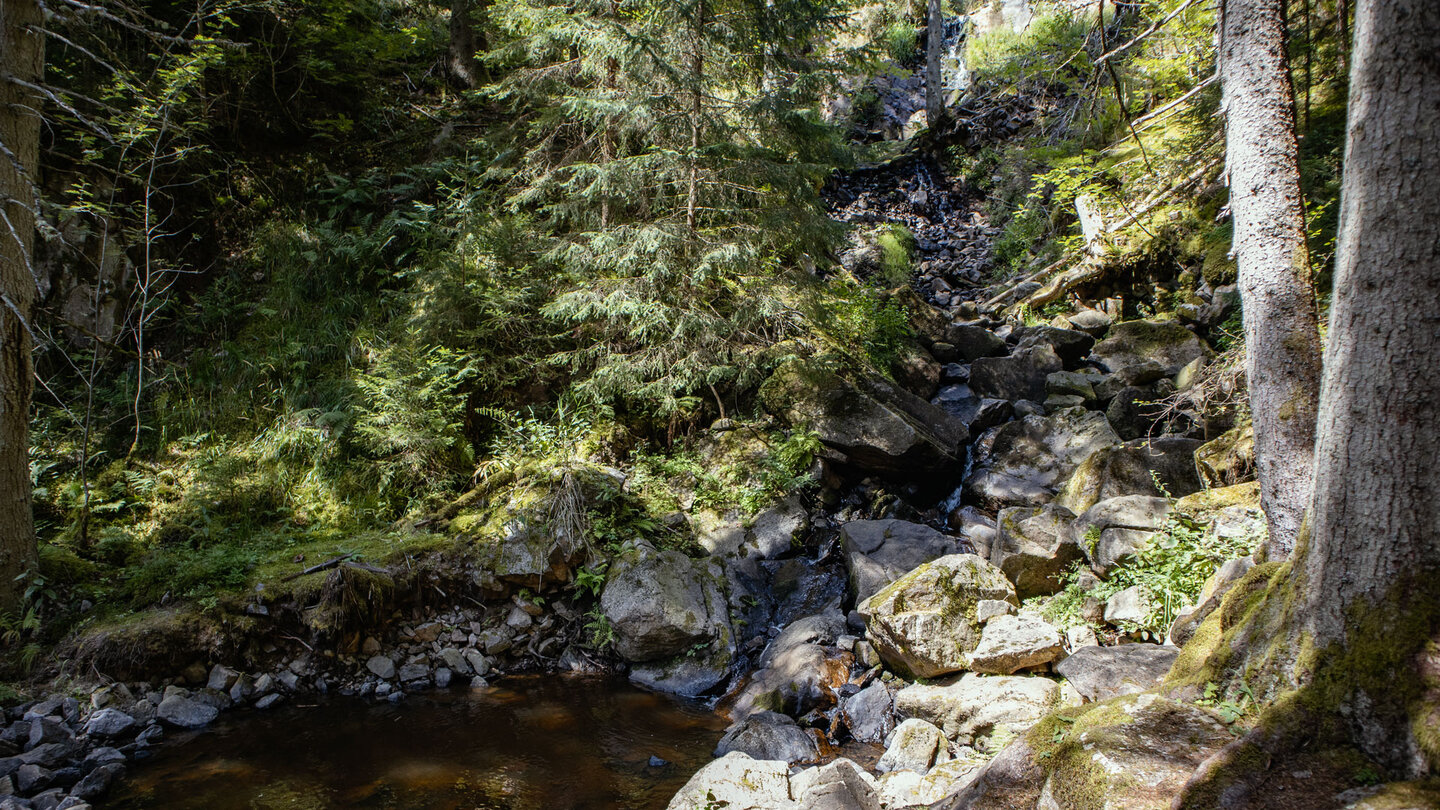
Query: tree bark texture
point(464, 67)
point(22, 58)
point(934, 45)
point(1372, 556)
point(1281, 332)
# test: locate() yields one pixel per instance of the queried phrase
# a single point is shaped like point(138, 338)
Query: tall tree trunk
point(1352, 623)
point(22, 57)
point(934, 44)
point(697, 74)
point(464, 44)
point(1282, 338)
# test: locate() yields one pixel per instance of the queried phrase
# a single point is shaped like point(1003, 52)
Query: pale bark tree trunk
point(1282, 338)
point(21, 58)
point(1372, 554)
point(934, 44)
point(1347, 636)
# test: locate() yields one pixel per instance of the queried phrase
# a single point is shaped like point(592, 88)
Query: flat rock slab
point(1100, 673)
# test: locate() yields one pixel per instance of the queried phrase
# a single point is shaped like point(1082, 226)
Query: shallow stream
point(536, 742)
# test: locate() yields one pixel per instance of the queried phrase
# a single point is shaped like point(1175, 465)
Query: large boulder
point(769, 534)
point(924, 623)
point(870, 713)
point(1034, 548)
point(799, 671)
point(1133, 468)
point(1135, 343)
point(975, 707)
point(908, 790)
point(869, 423)
point(912, 747)
point(1113, 530)
point(1028, 460)
point(737, 782)
point(1100, 673)
point(670, 619)
point(1070, 346)
point(1019, 376)
point(1228, 459)
point(768, 735)
point(1131, 753)
point(1012, 643)
point(877, 552)
point(839, 785)
point(974, 342)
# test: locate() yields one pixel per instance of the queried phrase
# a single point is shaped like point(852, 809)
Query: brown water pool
point(551, 743)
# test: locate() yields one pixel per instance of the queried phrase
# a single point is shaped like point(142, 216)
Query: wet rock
point(912, 747)
point(1100, 673)
point(381, 666)
point(1132, 469)
point(109, 723)
point(1012, 643)
point(869, 713)
point(268, 701)
point(737, 781)
point(1028, 460)
point(686, 675)
point(924, 623)
point(1034, 549)
point(1020, 376)
point(795, 681)
point(877, 552)
point(186, 712)
point(975, 707)
point(97, 782)
point(769, 735)
point(869, 423)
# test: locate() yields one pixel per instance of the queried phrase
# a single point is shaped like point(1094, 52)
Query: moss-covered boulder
point(1030, 459)
point(1130, 753)
point(1228, 459)
point(924, 624)
point(866, 421)
point(1132, 469)
point(1132, 343)
point(1034, 549)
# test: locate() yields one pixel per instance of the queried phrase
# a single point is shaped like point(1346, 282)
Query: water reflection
point(542, 742)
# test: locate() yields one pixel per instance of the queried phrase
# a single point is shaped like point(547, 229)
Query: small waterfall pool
point(528, 743)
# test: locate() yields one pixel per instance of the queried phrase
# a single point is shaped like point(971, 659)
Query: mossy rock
point(1228, 459)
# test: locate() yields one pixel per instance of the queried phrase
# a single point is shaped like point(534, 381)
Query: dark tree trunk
point(1282, 338)
point(465, 42)
point(21, 60)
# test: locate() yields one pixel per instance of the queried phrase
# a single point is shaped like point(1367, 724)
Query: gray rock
point(1034, 549)
point(109, 722)
point(768, 735)
point(737, 781)
point(1130, 606)
point(1027, 461)
point(49, 730)
point(186, 712)
point(869, 422)
point(1020, 376)
point(912, 747)
point(877, 552)
point(1166, 343)
point(1012, 643)
point(97, 782)
point(380, 666)
point(412, 673)
point(869, 713)
point(1069, 345)
point(975, 342)
point(663, 604)
point(31, 778)
point(268, 701)
point(1093, 322)
point(799, 679)
point(839, 785)
point(442, 677)
point(777, 529)
point(924, 623)
point(1100, 673)
point(455, 661)
point(222, 678)
point(1131, 469)
point(479, 664)
point(987, 609)
point(976, 707)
